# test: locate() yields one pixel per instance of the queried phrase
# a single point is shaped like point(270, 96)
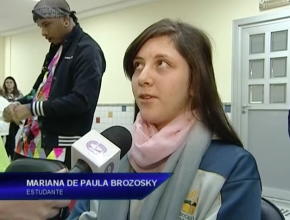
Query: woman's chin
point(149, 117)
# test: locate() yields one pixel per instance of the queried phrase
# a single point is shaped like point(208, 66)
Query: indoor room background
point(22, 55)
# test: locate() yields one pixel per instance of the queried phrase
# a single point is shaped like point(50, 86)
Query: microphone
point(100, 153)
point(84, 159)
point(117, 135)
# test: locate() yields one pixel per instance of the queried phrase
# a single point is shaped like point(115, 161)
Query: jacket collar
point(69, 39)
point(74, 34)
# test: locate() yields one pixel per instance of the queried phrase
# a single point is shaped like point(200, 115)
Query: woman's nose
point(145, 77)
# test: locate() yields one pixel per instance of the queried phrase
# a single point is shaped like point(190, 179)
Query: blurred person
point(11, 93)
point(181, 128)
point(4, 130)
point(60, 107)
point(4, 126)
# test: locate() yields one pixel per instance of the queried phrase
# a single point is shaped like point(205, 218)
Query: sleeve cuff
point(37, 108)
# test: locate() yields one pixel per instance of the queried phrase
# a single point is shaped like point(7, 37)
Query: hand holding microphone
point(94, 152)
point(88, 154)
point(27, 210)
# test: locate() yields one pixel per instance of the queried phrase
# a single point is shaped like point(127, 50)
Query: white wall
point(24, 53)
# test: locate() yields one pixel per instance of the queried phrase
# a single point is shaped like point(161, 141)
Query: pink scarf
point(150, 147)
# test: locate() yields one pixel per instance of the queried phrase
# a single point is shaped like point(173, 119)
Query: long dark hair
point(195, 47)
point(15, 91)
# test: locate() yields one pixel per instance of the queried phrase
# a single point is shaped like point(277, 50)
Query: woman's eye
point(162, 63)
point(137, 65)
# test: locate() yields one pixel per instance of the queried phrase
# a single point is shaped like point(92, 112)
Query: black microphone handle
point(81, 167)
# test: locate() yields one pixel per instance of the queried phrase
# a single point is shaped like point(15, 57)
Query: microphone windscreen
point(119, 136)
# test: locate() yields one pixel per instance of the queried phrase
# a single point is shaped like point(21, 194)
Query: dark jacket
point(68, 113)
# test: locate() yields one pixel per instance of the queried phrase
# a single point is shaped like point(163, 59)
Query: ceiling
point(16, 17)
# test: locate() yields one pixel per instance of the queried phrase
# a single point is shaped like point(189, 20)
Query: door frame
point(237, 27)
point(236, 99)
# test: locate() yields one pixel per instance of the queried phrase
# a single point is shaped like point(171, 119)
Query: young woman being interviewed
point(181, 127)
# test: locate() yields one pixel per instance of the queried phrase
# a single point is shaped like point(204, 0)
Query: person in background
point(4, 127)
point(181, 128)
point(11, 91)
point(4, 130)
point(60, 108)
point(12, 94)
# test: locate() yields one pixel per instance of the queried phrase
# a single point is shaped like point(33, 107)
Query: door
point(265, 101)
